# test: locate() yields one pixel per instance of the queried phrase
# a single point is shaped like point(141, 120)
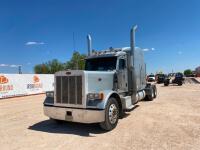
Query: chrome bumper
point(75, 115)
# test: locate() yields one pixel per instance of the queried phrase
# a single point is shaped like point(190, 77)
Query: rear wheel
point(155, 91)
point(111, 115)
point(150, 95)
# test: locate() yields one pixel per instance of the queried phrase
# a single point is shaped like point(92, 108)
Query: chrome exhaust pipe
point(133, 87)
point(89, 43)
point(132, 42)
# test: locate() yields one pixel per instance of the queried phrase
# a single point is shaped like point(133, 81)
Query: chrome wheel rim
point(113, 113)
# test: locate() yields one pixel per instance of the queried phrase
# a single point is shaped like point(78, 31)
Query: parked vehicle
point(113, 81)
point(160, 78)
point(151, 78)
point(174, 79)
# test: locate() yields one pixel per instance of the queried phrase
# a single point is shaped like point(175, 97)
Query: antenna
point(74, 49)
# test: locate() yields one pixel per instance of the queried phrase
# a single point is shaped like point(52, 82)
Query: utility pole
point(20, 69)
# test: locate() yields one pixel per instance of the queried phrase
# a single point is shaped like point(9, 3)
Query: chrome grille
point(69, 89)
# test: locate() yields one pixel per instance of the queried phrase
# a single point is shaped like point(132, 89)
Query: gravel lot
point(172, 121)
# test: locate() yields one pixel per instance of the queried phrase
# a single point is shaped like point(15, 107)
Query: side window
point(122, 64)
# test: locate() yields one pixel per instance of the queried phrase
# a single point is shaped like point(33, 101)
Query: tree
point(77, 62)
point(188, 72)
point(55, 66)
point(49, 68)
point(38, 69)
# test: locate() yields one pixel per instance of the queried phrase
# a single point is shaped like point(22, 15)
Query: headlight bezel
point(95, 96)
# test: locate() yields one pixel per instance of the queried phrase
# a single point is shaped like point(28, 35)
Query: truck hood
point(97, 81)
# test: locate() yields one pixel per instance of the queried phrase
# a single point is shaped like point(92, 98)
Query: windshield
point(161, 75)
point(179, 75)
point(101, 64)
point(151, 75)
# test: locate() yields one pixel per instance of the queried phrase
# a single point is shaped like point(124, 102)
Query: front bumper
point(74, 115)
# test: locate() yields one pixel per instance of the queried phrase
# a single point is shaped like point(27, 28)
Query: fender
point(107, 94)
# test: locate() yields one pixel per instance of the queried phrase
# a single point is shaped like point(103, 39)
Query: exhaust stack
point(132, 44)
point(89, 43)
point(132, 75)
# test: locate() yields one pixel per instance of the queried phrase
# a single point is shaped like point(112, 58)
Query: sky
point(36, 31)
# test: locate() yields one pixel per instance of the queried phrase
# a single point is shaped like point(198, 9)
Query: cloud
point(148, 49)
point(3, 65)
point(35, 43)
point(6, 65)
point(145, 49)
point(14, 66)
point(180, 52)
point(28, 63)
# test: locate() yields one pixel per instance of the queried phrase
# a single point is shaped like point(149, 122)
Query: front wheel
point(111, 115)
point(150, 96)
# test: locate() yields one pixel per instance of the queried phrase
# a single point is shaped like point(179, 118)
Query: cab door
point(122, 77)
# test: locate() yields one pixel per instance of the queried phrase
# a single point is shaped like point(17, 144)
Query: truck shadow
point(172, 85)
point(80, 129)
point(63, 127)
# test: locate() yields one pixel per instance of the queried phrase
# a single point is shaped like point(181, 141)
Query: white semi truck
point(113, 81)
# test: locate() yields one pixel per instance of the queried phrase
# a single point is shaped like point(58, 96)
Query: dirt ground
point(171, 121)
point(198, 79)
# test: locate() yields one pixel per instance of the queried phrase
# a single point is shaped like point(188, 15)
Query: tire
point(111, 115)
point(155, 91)
point(150, 96)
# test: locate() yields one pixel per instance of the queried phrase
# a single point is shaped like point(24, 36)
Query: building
point(197, 71)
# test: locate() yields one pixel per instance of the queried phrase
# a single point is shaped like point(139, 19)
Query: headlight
point(93, 96)
point(50, 94)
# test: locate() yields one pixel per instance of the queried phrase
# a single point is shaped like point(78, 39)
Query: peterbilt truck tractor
point(113, 81)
